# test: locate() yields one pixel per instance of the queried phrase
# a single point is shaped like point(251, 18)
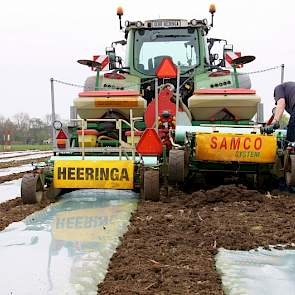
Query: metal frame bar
point(177, 93)
point(214, 127)
point(157, 104)
point(118, 150)
point(52, 111)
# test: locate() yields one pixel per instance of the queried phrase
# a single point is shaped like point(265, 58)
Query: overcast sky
point(43, 39)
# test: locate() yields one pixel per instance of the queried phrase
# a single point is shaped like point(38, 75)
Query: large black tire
point(176, 166)
point(151, 185)
point(32, 189)
point(290, 173)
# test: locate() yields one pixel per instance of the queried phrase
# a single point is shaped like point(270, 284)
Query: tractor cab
point(151, 41)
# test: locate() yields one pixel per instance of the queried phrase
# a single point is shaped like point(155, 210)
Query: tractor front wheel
point(32, 189)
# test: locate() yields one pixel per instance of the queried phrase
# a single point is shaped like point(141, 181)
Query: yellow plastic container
point(137, 135)
point(90, 137)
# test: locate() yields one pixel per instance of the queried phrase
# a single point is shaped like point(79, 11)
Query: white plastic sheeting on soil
point(66, 247)
point(10, 190)
point(18, 169)
point(257, 272)
point(17, 153)
point(27, 157)
point(21, 153)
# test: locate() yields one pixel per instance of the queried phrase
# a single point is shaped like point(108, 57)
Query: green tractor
point(174, 110)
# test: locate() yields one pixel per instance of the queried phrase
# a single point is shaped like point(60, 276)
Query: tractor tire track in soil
point(170, 245)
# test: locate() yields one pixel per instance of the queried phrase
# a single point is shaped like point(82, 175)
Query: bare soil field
point(170, 246)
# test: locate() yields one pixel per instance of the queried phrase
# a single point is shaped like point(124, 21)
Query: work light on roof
point(194, 22)
point(127, 23)
point(205, 21)
point(139, 24)
point(212, 8)
point(119, 11)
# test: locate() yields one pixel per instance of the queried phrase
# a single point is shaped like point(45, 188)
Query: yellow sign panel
point(93, 174)
point(116, 103)
point(254, 148)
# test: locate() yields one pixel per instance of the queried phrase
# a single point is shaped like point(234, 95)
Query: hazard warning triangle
point(149, 143)
point(61, 135)
point(166, 69)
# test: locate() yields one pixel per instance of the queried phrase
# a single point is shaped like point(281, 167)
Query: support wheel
point(151, 185)
point(176, 166)
point(290, 173)
point(52, 193)
point(32, 189)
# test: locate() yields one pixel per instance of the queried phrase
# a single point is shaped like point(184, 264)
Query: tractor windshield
point(151, 46)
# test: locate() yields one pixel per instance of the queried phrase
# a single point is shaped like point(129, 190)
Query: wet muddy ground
point(170, 245)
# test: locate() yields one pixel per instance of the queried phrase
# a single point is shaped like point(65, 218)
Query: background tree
point(25, 130)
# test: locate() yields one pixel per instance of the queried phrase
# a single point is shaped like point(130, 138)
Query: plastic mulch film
point(66, 247)
point(257, 272)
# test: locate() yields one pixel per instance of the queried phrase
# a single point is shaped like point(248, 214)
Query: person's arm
point(281, 104)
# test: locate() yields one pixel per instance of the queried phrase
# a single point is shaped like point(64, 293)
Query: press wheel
point(151, 185)
point(176, 166)
point(290, 173)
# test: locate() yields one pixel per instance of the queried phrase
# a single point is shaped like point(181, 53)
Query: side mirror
point(213, 57)
point(111, 53)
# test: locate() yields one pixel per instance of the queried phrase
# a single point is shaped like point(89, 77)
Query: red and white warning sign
point(229, 56)
point(102, 59)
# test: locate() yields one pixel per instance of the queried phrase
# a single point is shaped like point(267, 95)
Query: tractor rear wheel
point(151, 185)
point(290, 173)
point(32, 189)
point(176, 166)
